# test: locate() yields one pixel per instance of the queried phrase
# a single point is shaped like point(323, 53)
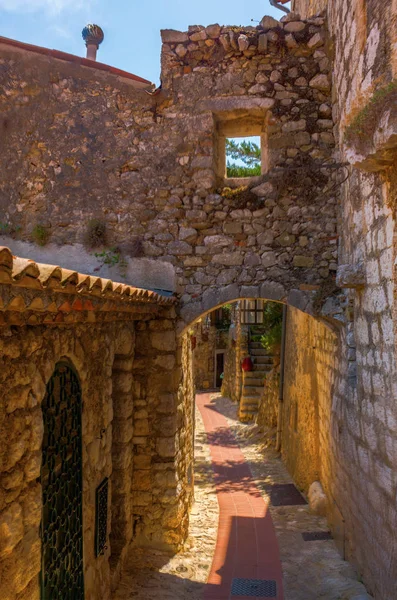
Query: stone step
point(255, 382)
point(250, 400)
point(263, 360)
point(252, 389)
point(257, 345)
point(256, 374)
point(259, 352)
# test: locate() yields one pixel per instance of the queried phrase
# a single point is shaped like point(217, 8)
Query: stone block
point(294, 26)
point(122, 382)
point(17, 398)
point(269, 259)
point(142, 481)
point(141, 498)
point(228, 259)
point(141, 427)
point(166, 447)
point(11, 528)
point(303, 261)
point(142, 461)
point(172, 36)
point(165, 361)
point(262, 43)
point(163, 340)
point(269, 23)
point(351, 276)
point(243, 42)
point(213, 31)
point(315, 41)
point(318, 501)
point(320, 82)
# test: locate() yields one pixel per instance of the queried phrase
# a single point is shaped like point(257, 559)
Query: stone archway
point(214, 298)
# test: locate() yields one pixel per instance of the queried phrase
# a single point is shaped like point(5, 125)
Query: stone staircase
point(252, 387)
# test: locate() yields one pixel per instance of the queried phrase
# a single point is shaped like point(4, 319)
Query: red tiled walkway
point(246, 546)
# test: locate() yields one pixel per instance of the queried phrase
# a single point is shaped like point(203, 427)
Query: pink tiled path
point(246, 545)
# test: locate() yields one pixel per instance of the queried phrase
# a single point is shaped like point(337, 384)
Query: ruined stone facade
point(153, 168)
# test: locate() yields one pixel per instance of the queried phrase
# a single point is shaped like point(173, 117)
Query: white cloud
point(50, 7)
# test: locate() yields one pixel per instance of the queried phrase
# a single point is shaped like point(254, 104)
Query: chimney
point(93, 36)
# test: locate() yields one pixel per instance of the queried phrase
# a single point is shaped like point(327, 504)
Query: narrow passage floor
point(258, 547)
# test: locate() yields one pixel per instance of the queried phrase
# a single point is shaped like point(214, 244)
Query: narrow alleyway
point(259, 539)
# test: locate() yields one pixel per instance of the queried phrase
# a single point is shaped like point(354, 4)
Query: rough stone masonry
point(84, 145)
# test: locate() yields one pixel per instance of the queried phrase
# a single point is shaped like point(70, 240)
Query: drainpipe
point(277, 4)
point(281, 388)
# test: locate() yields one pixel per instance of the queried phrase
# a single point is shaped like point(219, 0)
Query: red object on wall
point(247, 364)
point(193, 341)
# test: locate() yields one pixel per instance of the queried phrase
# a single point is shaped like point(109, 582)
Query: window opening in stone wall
point(243, 156)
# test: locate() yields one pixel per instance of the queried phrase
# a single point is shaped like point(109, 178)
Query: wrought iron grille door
point(62, 575)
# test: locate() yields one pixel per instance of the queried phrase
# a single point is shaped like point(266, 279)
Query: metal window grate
point(101, 525)
point(256, 588)
point(313, 536)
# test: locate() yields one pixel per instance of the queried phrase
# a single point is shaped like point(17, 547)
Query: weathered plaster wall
point(83, 144)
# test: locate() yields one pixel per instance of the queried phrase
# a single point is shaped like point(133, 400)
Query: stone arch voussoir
point(215, 297)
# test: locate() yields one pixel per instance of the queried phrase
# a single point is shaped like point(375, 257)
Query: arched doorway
point(62, 574)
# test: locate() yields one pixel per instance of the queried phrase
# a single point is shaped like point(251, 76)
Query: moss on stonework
point(40, 235)
point(241, 197)
point(363, 126)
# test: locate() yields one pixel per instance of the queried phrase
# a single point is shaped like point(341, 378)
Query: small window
point(252, 312)
point(243, 156)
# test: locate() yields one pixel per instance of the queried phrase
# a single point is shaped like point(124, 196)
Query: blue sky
point(132, 27)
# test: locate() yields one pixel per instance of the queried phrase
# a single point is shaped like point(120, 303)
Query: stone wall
point(163, 435)
point(364, 403)
point(29, 356)
point(237, 349)
point(208, 339)
point(269, 402)
point(307, 8)
point(137, 416)
point(84, 145)
point(311, 365)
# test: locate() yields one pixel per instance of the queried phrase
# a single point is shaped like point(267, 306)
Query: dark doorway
point(62, 576)
point(220, 364)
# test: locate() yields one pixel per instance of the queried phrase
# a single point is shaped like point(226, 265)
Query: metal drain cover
point(256, 588)
point(313, 536)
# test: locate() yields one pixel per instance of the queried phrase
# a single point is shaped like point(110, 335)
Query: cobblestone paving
point(153, 575)
point(311, 570)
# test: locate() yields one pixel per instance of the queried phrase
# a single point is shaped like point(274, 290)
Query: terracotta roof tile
point(24, 272)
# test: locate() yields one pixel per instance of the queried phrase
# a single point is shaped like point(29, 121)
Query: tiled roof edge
point(93, 64)
point(26, 273)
